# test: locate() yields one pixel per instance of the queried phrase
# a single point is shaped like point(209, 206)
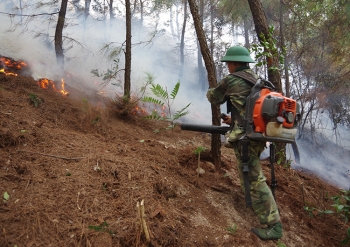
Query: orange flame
point(46, 83)
point(7, 73)
point(12, 64)
point(63, 91)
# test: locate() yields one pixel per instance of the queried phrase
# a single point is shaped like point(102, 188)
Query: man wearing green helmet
point(236, 89)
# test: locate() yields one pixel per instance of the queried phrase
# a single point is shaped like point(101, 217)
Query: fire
point(12, 64)
point(7, 73)
point(8, 66)
point(63, 91)
point(46, 83)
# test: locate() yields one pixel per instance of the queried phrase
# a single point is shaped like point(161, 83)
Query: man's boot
point(271, 232)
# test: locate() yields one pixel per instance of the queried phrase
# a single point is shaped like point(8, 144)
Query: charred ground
point(75, 172)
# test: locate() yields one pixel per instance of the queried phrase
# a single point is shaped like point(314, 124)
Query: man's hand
point(225, 119)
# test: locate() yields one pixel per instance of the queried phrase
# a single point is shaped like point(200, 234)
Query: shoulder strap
point(249, 78)
point(246, 76)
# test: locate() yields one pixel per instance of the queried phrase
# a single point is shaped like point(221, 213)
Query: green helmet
point(237, 54)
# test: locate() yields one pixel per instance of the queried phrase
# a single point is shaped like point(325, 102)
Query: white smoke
point(33, 42)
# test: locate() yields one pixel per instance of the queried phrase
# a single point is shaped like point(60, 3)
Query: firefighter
point(236, 90)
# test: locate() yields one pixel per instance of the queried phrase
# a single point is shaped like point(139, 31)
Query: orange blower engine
point(270, 116)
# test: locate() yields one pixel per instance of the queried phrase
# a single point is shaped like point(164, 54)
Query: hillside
point(75, 172)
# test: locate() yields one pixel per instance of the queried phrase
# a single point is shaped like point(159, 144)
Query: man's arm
point(217, 95)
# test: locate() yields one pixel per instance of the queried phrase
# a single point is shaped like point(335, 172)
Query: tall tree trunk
point(209, 64)
point(87, 8)
point(262, 28)
point(274, 76)
point(20, 7)
point(127, 74)
point(211, 27)
point(58, 34)
point(141, 11)
point(201, 72)
point(286, 71)
point(171, 23)
point(182, 43)
point(246, 31)
point(177, 21)
point(110, 5)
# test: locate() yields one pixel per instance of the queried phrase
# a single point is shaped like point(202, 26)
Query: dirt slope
point(74, 174)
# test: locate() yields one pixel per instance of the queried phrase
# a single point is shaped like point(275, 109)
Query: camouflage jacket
point(234, 88)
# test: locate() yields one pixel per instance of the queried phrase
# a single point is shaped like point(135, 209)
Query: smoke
point(322, 154)
point(154, 51)
point(33, 42)
point(325, 152)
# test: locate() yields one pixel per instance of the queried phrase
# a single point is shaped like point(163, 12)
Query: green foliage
point(163, 99)
point(199, 150)
point(341, 206)
point(103, 227)
point(96, 120)
point(312, 211)
point(6, 196)
point(267, 47)
point(347, 239)
point(281, 158)
point(280, 244)
point(35, 100)
point(232, 229)
point(109, 74)
point(112, 52)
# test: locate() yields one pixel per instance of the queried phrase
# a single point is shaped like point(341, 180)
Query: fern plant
point(164, 99)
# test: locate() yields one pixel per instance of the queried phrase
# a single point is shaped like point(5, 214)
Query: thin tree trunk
point(286, 71)
point(274, 75)
point(211, 27)
point(171, 22)
point(209, 64)
point(246, 31)
point(87, 8)
point(177, 22)
point(20, 7)
point(58, 34)
point(262, 28)
point(182, 43)
point(201, 72)
point(127, 74)
point(141, 11)
point(110, 5)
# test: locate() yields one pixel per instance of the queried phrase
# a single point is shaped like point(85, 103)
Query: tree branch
point(53, 13)
point(50, 155)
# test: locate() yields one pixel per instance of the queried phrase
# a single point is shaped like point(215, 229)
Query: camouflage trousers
point(263, 203)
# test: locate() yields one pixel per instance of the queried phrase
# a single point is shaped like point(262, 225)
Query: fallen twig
point(142, 217)
point(50, 155)
point(302, 193)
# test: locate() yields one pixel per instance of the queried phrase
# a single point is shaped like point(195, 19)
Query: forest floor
point(72, 174)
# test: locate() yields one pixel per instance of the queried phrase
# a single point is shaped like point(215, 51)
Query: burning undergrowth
point(120, 105)
point(11, 67)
